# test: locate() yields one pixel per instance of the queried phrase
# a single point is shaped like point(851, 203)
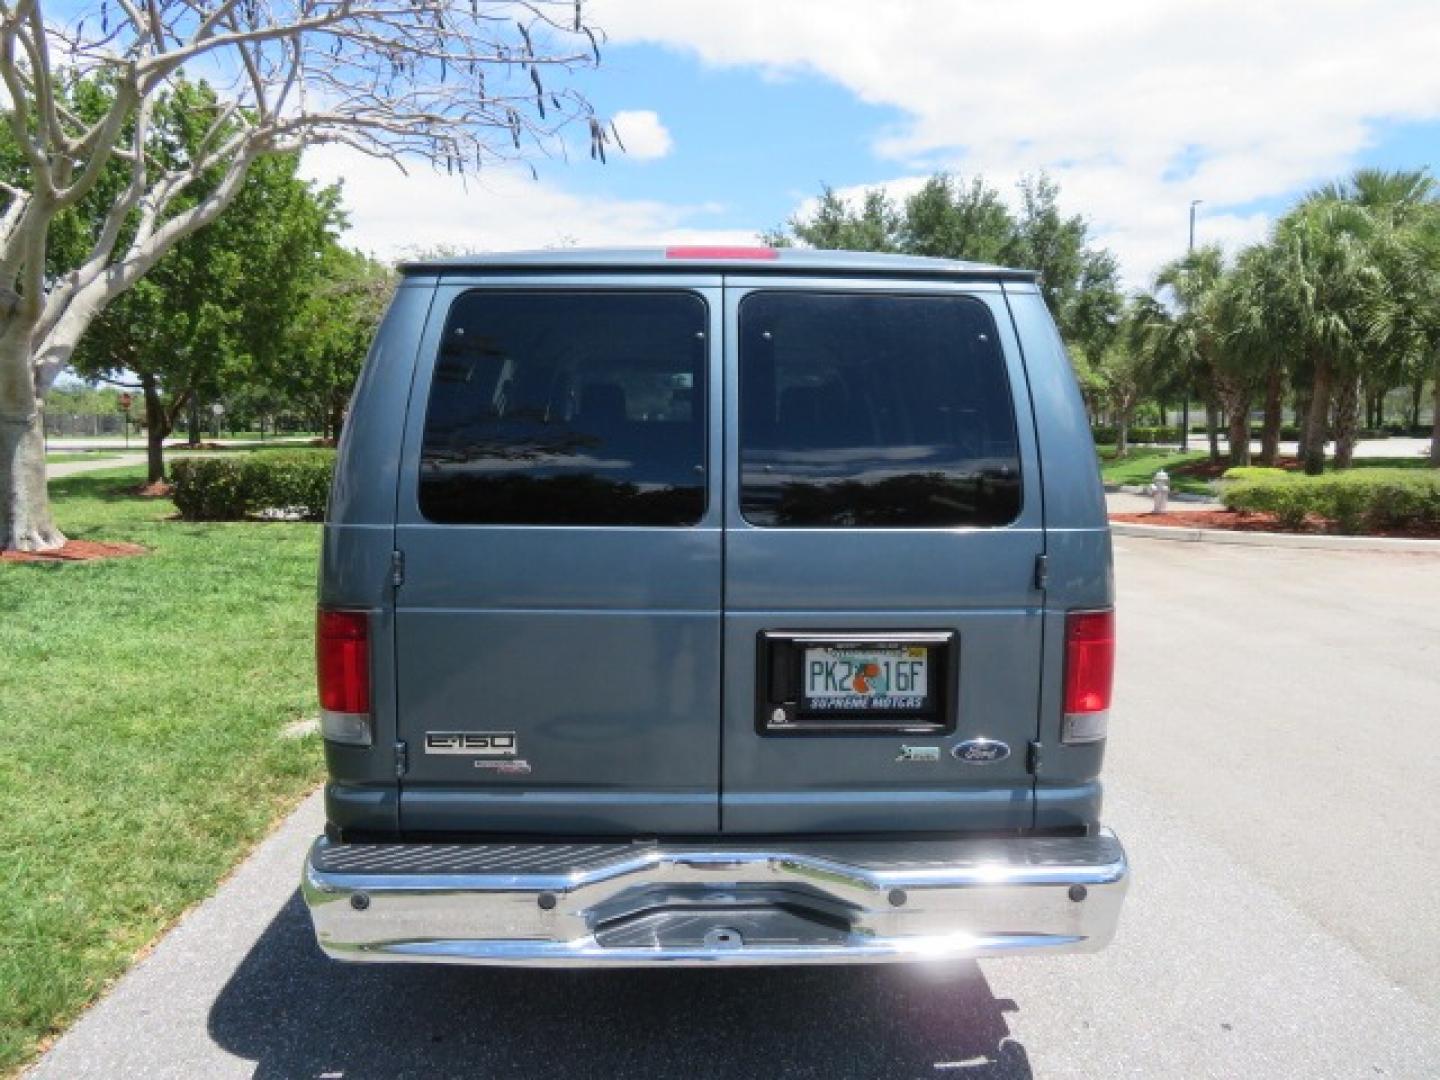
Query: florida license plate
point(866, 679)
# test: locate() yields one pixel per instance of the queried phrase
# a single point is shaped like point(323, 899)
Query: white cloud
point(1135, 106)
point(644, 136)
point(393, 215)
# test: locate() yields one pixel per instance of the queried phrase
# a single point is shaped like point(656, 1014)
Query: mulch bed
point(1238, 521)
point(77, 551)
point(1205, 469)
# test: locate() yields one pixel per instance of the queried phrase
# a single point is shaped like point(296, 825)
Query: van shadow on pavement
point(296, 1013)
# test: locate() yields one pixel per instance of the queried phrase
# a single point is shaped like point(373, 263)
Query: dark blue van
point(714, 605)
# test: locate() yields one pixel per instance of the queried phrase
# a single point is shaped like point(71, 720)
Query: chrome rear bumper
point(759, 902)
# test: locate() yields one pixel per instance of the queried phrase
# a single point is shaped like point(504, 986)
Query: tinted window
point(874, 410)
point(568, 409)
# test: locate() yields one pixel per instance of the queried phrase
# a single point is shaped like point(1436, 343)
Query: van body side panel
point(358, 538)
point(590, 651)
point(975, 584)
point(1081, 575)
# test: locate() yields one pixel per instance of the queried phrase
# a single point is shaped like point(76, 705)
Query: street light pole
point(1185, 406)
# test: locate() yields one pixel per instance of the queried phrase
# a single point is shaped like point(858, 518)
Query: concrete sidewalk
point(112, 443)
point(1124, 502)
point(1395, 446)
point(74, 468)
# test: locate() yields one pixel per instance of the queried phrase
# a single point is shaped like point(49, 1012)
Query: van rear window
point(567, 408)
point(874, 410)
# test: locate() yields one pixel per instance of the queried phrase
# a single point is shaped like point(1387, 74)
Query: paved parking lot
point(1274, 772)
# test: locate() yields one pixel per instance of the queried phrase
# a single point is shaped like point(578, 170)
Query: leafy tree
point(951, 220)
point(328, 339)
point(948, 218)
point(1125, 372)
point(836, 226)
point(218, 304)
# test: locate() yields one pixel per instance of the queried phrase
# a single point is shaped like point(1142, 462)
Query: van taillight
point(342, 668)
point(1089, 674)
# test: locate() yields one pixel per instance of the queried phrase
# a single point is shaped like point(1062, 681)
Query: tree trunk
point(1435, 422)
point(1417, 394)
point(1212, 428)
point(1239, 433)
point(1303, 396)
point(337, 419)
point(157, 428)
point(1347, 420)
point(192, 421)
point(25, 520)
point(1317, 420)
point(1274, 419)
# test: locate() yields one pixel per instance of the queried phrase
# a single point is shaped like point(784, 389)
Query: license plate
point(866, 679)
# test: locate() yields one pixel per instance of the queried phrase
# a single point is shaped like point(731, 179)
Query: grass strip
point(141, 753)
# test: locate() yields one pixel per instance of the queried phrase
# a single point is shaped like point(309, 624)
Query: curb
point(1279, 540)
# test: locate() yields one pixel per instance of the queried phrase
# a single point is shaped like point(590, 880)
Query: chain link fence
point(72, 425)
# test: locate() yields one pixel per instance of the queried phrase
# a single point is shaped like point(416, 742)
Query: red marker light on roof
point(721, 253)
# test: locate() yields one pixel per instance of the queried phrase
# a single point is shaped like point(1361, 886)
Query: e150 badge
point(488, 744)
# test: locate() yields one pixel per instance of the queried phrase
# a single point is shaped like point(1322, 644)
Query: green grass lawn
point(141, 749)
point(62, 457)
point(1140, 466)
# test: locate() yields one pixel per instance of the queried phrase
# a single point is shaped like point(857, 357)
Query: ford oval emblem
point(980, 751)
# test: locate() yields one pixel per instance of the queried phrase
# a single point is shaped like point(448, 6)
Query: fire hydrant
point(1160, 490)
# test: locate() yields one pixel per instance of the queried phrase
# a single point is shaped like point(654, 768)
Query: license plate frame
point(783, 706)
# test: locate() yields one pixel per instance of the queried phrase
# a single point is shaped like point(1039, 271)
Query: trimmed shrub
point(233, 487)
point(1138, 433)
point(1366, 500)
point(1288, 432)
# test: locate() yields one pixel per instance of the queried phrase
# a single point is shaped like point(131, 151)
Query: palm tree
point(1404, 312)
point(1387, 205)
point(1326, 247)
point(1257, 336)
point(1193, 283)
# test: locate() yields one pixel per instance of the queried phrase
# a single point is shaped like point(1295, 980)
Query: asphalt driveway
point(1274, 768)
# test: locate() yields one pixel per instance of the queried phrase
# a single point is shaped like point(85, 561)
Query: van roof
point(749, 258)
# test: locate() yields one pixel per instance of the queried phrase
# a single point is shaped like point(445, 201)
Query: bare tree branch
point(456, 84)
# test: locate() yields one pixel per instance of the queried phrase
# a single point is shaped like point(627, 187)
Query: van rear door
point(558, 629)
point(883, 523)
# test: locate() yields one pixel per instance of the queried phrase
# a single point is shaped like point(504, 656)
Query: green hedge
point(1356, 502)
point(1137, 434)
point(234, 487)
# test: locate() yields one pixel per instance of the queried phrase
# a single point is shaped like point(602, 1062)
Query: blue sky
point(754, 143)
point(738, 111)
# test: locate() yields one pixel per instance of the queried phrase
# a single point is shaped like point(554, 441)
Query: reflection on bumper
point(762, 902)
